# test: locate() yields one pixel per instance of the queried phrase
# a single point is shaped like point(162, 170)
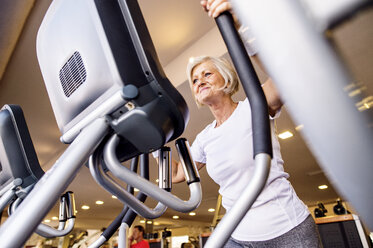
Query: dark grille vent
point(72, 74)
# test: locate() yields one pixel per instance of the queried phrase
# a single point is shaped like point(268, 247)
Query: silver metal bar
point(123, 195)
point(122, 237)
point(111, 104)
point(61, 225)
point(100, 241)
point(6, 198)
point(14, 184)
point(311, 80)
point(49, 232)
point(20, 225)
point(164, 168)
point(234, 216)
point(147, 187)
point(360, 230)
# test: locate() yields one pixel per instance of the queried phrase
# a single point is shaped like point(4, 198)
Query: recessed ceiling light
point(211, 210)
point(99, 202)
point(299, 127)
point(175, 217)
point(192, 213)
point(47, 221)
point(285, 135)
point(156, 223)
point(85, 207)
point(114, 197)
point(142, 221)
point(149, 222)
point(323, 186)
point(54, 218)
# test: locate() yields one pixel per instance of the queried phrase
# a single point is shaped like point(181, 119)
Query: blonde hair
point(224, 67)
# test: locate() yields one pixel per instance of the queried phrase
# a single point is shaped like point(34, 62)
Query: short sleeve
point(249, 40)
point(197, 151)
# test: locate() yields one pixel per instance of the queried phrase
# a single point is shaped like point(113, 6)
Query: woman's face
point(207, 83)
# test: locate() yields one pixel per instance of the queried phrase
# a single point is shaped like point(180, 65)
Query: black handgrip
point(189, 166)
point(250, 83)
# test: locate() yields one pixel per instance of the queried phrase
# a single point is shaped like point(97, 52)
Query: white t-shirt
point(227, 151)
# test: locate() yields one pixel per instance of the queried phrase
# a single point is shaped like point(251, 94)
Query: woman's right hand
point(216, 7)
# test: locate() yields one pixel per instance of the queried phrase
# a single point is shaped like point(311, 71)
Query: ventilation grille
point(72, 74)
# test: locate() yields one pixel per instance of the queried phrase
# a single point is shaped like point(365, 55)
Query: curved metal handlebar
point(109, 184)
point(234, 216)
point(67, 211)
point(147, 187)
point(49, 232)
point(8, 193)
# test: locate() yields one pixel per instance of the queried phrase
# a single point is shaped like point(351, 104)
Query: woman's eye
point(195, 81)
point(207, 74)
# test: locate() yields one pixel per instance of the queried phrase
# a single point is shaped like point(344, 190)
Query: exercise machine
point(20, 171)
point(107, 90)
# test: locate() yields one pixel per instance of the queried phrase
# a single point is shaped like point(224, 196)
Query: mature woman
point(278, 218)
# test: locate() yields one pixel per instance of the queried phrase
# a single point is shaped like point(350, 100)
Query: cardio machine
point(20, 171)
point(112, 102)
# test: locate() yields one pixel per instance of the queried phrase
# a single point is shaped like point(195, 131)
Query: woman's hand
point(216, 7)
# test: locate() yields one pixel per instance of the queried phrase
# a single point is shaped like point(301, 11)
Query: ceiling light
point(156, 223)
point(85, 207)
point(114, 197)
point(299, 127)
point(76, 211)
point(136, 190)
point(285, 135)
point(192, 213)
point(175, 217)
point(54, 218)
point(142, 221)
point(323, 186)
point(99, 202)
point(211, 210)
point(47, 221)
point(156, 180)
point(149, 222)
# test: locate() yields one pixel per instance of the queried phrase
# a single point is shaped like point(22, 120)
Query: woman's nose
point(201, 82)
